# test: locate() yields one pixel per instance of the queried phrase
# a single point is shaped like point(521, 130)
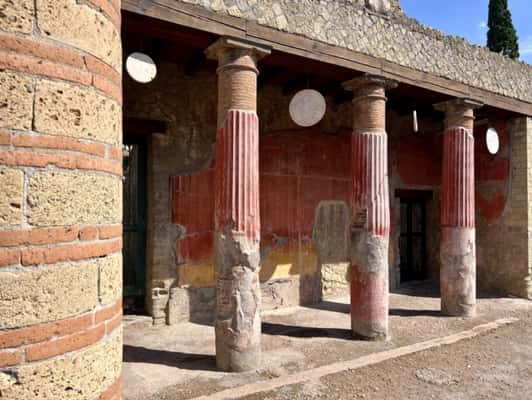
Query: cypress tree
point(502, 37)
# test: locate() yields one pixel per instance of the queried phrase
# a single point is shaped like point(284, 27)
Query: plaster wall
point(304, 178)
point(503, 209)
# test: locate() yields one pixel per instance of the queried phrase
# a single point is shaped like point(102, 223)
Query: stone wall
point(304, 177)
point(60, 199)
point(188, 104)
point(503, 245)
point(391, 36)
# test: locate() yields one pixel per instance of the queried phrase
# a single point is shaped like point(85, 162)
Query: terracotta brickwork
point(61, 199)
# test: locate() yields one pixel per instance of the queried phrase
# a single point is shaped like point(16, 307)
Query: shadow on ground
point(190, 361)
point(270, 328)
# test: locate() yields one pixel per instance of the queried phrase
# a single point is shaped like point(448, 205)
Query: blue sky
point(468, 18)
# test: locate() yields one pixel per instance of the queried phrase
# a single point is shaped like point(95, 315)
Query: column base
point(236, 360)
point(458, 272)
point(363, 330)
point(238, 323)
point(369, 287)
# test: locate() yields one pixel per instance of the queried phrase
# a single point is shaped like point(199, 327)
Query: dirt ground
point(177, 362)
point(495, 366)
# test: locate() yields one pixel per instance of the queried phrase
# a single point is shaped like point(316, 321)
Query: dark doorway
point(413, 239)
point(134, 251)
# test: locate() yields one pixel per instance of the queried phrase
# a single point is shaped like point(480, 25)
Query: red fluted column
point(370, 208)
point(237, 219)
point(457, 239)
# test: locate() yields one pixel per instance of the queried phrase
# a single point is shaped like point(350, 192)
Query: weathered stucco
point(304, 177)
point(504, 210)
point(393, 37)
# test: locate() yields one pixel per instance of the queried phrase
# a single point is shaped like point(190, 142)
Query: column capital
point(457, 105)
point(227, 50)
point(458, 112)
point(369, 80)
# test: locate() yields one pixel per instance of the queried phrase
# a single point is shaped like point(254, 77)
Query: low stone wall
point(60, 199)
point(392, 36)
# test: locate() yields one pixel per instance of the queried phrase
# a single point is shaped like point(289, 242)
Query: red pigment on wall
point(299, 169)
point(493, 168)
point(491, 209)
point(419, 163)
point(419, 159)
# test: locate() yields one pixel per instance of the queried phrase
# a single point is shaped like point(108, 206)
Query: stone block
point(68, 110)
point(77, 376)
point(280, 293)
point(110, 278)
point(47, 294)
point(16, 97)
point(62, 198)
point(11, 196)
point(178, 306)
point(78, 25)
point(16, 15)
point(335, 278)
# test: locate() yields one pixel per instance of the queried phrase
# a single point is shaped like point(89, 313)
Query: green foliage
point(502, 37)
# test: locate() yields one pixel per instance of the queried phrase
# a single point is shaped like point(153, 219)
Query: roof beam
point(193, 16)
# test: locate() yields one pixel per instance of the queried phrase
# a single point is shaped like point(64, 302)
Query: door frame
point(142, 204)
point(414, 197)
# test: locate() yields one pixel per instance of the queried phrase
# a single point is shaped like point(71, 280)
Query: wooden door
point(134, 190)
point(412, 242)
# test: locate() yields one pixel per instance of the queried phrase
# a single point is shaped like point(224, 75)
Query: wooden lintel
point(193, 16)
point(144, 126)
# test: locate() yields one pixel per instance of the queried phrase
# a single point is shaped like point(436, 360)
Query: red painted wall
point(419, 161)
point(298, 169)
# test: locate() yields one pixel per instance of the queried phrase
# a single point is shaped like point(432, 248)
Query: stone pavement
point(177, 362)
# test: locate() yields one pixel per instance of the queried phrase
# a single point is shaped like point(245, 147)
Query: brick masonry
point(60, 217)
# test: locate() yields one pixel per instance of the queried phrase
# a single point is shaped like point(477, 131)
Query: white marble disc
point(141, 67)
point(492, 141)
point(307, 107)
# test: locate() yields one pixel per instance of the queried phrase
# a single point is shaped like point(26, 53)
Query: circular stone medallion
point(307, 107)
point(492, 141)
point(141, 68)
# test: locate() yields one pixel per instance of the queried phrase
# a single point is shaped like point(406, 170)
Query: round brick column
point(457, 239)
point(237, 218)
point(60, 200)
point(370, 208)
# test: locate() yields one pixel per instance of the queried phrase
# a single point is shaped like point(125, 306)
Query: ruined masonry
point(60, 200)
point(195, 197)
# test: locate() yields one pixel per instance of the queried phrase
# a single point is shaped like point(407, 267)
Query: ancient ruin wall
point(503, 211)
point(393, 37)
point(60, 199)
